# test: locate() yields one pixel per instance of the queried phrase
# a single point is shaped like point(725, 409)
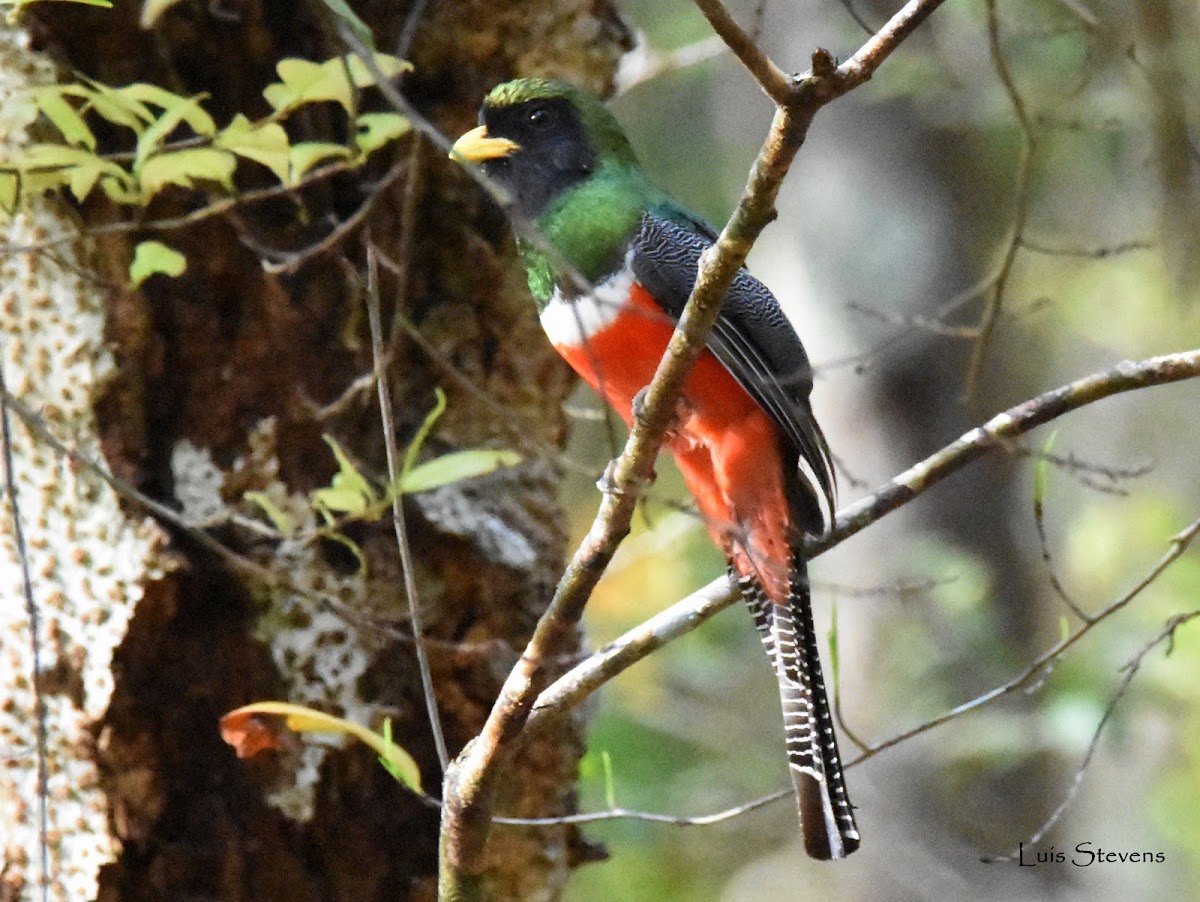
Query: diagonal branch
point(745, 46)
point(569, 690)
point(473, 779)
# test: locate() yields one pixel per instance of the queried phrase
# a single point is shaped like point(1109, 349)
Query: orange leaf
point(249, 734)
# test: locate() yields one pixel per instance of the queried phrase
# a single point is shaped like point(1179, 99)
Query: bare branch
point(36, 678)
point(1167, 635)
point(1125, 376)
point(681, 618)
point(398, 522)
point(1096, 253)
point(614, 814)
point(991, 310)
point(1039, 521)
point(772, 79)
point(288, 262)
point(1049, 659)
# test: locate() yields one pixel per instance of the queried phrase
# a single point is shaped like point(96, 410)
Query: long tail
point(826, 816)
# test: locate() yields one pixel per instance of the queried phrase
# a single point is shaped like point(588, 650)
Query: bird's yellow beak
point(476, 146)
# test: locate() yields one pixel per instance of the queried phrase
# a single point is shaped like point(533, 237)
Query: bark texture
point(223, 381)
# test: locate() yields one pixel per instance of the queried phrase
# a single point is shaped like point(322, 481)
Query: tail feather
point(788, 634)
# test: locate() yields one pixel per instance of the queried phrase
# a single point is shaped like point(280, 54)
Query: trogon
point(611, 273)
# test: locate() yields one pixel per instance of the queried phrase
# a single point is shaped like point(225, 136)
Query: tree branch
point(473, 779)
point(772, 79)
point(569, 690)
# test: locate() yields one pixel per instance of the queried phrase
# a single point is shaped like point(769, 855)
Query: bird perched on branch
point(611, 271)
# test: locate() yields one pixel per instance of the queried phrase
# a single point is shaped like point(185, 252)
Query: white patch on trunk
point(570, 322)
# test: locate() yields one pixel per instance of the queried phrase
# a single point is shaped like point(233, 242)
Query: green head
point(569, 168)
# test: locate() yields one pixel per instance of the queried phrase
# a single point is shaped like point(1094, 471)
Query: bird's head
point(538, 138)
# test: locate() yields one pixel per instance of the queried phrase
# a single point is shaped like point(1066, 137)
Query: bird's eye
point(540, 118)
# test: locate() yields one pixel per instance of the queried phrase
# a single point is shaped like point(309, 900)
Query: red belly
point(727, 448)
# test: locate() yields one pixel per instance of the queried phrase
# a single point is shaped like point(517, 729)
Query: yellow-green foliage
point(175, 142)
point(352, 496)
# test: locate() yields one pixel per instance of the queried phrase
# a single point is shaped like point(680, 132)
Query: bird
point(611, 260)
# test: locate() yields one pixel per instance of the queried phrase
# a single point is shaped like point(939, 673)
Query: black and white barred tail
point(826, 815)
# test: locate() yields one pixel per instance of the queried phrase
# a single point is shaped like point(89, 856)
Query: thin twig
point(1166, 634)
point(1039, 520)
point(932, 325)
point(1096, 253)
point(613, 814)
point(759, 20)
point(216, 208)
point(393, 458)
point(773, 80)
point(35, 641)
point(848, 6)
point(991, 310)
point(1047, 659)
point(1073, 465)
point(288, 262)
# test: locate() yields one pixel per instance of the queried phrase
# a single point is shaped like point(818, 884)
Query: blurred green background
point(904, 198)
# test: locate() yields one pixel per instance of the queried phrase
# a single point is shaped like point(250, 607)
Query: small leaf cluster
point(352, 496)
point(177, 143)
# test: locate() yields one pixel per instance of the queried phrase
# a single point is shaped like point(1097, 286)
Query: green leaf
point(121, 191)
point(377, 129)
point(303, 81)
point(610, 783)
point(833, 645)
point(266, 144)
point(349, 492)
point(65, 117)
point(186, 167)
point(340, 500)
point(304, 156)
point(151, 257)
point(414, 447)
point(83, 179)
point(18, 5)
point(279, 519)
point(455, 467)
point(389, 65)
point(117, 107)
point(191, 112)
point(183, 109)
point(37, 157)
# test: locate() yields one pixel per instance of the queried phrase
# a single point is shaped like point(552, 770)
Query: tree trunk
point(202, 388)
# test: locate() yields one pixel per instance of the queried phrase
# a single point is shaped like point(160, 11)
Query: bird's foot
point(679, 417)
point(607, 483)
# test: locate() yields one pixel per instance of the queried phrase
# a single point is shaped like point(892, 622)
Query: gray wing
point(752, 338)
